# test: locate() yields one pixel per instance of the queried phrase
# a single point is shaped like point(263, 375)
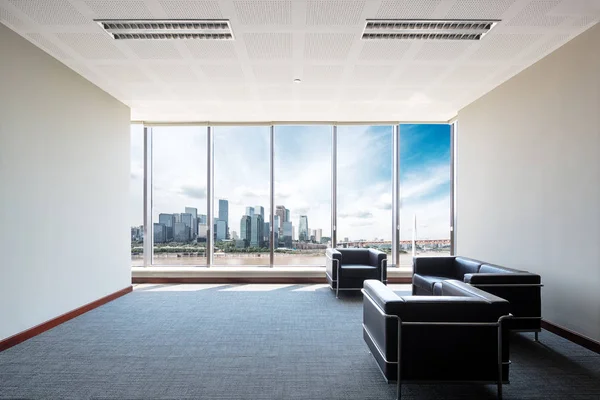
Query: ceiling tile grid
point(318, 41)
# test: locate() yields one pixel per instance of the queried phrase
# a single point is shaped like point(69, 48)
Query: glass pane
point(136, 195)
point(425, 191)
point(364, 192)
point(241, 186)
point(179, 202)
point(302, 194)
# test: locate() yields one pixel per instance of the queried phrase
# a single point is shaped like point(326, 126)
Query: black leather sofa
point(521, 288)
point(457, 335)
point(347, 269)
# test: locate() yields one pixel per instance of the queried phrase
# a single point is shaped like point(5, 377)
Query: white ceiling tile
point(536, 13)
point(374, 50)
point(420, 74)
point(55, 12)
point(109, 9)
point(190, 9)
point(334, 12)
point(402, 9)
point(154, 49)
point(504, 46)
point(478, 9)
point(321, 73)
point(173, 73)
point(328, 46)
point(211, 49)
point(374, 74)
point(273, 73)
point(93, 46)
point(269, 46)
point(123, 73)
point(8, 18)
point(263, 12)
point(47, 45)
point(224, 72)
point(443, 51)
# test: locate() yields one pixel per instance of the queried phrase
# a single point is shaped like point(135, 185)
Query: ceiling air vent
point(167, 29)
point(424, 29)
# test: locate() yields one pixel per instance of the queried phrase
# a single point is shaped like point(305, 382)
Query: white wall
point(64, 188)
point(528, 183)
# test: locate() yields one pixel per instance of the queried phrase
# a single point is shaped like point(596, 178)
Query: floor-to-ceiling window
point(364, 187)
point(301, 186)
point(424, 191)
point(302, 160)
point(241, 195)
point(136, 195)
point(179, 183)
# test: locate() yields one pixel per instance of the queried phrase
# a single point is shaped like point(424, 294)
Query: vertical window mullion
point(148, 193)
point(209, 196)
point(396, 196)
point(334, 186)
point(272, 197)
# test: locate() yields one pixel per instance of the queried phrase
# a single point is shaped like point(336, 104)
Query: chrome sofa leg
point(536, 337)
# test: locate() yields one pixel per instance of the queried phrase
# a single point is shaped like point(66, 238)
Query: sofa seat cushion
point(359, 271)
point(427, 281)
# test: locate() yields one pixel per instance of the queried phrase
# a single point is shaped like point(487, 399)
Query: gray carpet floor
point(252, 342)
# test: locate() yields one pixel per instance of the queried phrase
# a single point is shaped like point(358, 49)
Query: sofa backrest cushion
point(464, 266)
point(450, 309)
point(496, 269)
point(458, 288)
point(355, 256)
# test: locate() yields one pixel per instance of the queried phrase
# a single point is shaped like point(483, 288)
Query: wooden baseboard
point(233, 280)
point(36, 330)
point(572, 336)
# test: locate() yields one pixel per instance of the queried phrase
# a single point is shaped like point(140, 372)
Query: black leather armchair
point(460, 334)
point(521, 288)
point(347, 269)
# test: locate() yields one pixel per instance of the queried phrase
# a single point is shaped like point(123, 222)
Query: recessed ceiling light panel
point(167, 29)
point(427, 29)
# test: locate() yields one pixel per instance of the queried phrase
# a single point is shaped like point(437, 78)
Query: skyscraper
point(287, 234)
point(224, 210)
point(318, 235)
point(287, 215)
point(221, 229)
point(245, 228)
point(266, 233)
point(249, 211)
point(168, 220)
point(276, 225)
point(280, 214)
point(260, 210)
point(188, 220)
point(160, 233)
point(181, 232)
point(256, 231)
point(194, 212)
point(303, 232)
point(202, 219)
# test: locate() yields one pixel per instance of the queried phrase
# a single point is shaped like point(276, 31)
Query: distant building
point(276, 225)
point(202, 232)
point(267, 234)
point(287, 215)
point(194, 226)
point(303, 233)
point(224, 214)
point(249, 211)
point(260, 210)
point(287, 234)
point(280, 215)
point(256, 231)
point(181, 232)
point(318, 235)
point(177, 217)
point(240, 244)
point(202, 219)
point(188, 220)
point(246, 228)
point(234, 235)
point(160, 233)
point(221, 229)
point(168, 220)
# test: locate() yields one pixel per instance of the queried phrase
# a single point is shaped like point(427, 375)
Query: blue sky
point(303, 175)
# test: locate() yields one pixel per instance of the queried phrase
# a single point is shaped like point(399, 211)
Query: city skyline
point(302, 175)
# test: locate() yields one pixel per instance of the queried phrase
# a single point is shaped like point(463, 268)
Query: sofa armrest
point(382, 295)
point(434, 266)
point(503, 279)
point(332, 259)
